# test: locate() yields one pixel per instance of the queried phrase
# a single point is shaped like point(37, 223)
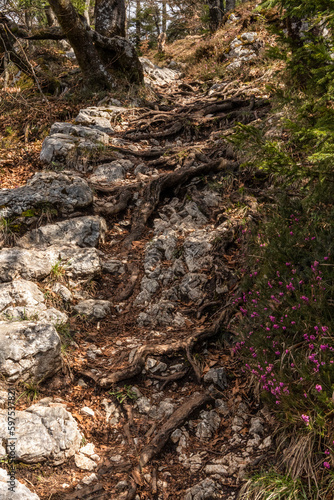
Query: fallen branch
point(176, 420)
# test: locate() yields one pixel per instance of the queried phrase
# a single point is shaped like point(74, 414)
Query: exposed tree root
point(144, 351)
point(152, 192)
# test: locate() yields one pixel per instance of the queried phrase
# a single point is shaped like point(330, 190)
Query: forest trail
point(148, 370)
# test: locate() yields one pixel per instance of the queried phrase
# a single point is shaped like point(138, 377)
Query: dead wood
point(170, 378)
point(175, 421)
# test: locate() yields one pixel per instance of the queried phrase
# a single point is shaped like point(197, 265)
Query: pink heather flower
point(288, 263)
point(291, 232)
point(306, 419)
point(305, 395)
point(327, 465)
point(326, 452)
point(318, 388)
point(325, 258)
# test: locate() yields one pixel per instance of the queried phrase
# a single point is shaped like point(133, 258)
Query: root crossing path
point(125, 271)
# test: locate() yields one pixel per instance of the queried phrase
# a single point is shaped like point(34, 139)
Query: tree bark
point(50, 17)
point(138, 23)
point(230, 5)
point(86, 12)
point(215, 14)
point(88, 57)
point(110, 17)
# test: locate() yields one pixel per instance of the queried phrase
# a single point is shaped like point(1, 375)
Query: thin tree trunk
point(86, 11)
point(138, 23)
point(50, 17)
point(94, 72)
point(164, 16)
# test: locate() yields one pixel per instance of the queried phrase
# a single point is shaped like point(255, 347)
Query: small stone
point(84, 463)
point(143, 405)
point(176, 435)
point(93, 308)
point(217, 376)
point(216, 469)
point(63, 292)
point(150, 363)
point(87, 411)
point(88, 449)
point(89, 479)
point(160, 367)
point(256, 426)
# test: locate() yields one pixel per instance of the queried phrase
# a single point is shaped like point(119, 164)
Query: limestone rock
point(205, 490)
point(22, 300)
point(28, 351)
point(43, 433)
point(92, 116)
point(161, 314)
point(82, 231)
point(209, 424)
point(92, 134)
point(65, 191)
point(113, 267)
point(157, 76)
point(108, 173)
point(216, 376)
point(93, 308)
point(63, 292)
point(21, 492)
point(34, 264)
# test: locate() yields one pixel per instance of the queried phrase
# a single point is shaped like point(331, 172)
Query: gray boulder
point(43, 433)
point(22, 300)
point(20, 491)
point(82, 231)
point(93, 308)
point(157, 76)
point(90, 134)
point(34, 264)
point(66, 141)
point(93, 116)
point(64, 191)
point(110, 172)
point(29, 351)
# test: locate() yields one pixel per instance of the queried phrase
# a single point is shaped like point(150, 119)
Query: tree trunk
point(138, 23)
point(114, 50)
point(50, 17)
point(215, 14)
point(86, 12)
point(230, 5)
point(164, 16)
point(94, 72)
point(110, 17)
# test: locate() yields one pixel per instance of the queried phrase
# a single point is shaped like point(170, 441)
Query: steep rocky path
point(116, 302)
